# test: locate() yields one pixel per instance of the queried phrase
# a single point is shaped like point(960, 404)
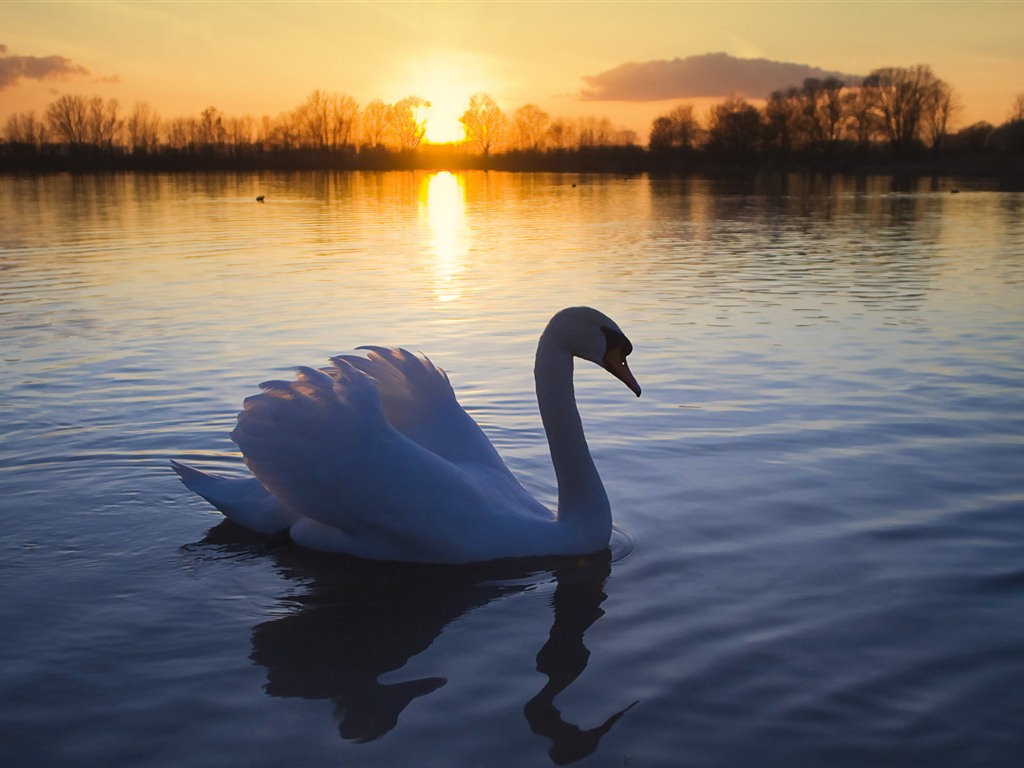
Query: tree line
point(326, 125)
point(895, 114)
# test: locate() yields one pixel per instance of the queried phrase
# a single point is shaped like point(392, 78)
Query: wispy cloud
point(706, 75)
point(15, 68)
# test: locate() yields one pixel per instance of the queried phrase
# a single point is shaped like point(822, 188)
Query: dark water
point(820, 495)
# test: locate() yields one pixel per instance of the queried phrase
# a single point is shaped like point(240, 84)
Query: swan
point(374, 457)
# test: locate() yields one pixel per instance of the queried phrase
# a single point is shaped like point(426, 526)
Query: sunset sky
point(265, 57)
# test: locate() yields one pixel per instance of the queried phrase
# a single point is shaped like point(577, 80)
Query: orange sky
point(264, 58)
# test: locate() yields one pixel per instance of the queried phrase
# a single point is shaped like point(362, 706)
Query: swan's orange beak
point(615, 361)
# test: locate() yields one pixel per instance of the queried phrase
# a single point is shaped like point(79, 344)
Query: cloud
point(15, 68)
point(706, 75)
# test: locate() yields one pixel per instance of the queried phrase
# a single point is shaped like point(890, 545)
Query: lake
point(819, 498)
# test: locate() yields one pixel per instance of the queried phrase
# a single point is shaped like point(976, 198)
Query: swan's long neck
point(581, 495)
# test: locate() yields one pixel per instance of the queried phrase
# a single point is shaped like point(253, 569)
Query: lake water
point(820, 495)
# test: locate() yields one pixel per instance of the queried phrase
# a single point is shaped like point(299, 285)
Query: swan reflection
point(356, 621)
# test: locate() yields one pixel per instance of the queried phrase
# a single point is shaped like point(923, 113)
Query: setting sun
point(442, 120)
point(446, 80)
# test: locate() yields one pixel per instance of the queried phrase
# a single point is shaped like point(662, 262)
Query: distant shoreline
point(630, 160)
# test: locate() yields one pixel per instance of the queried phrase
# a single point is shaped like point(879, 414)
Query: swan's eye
point(616, 342)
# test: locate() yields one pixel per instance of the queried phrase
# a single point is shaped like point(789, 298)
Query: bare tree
point(375, 122)
point(561, 134)
point(342, 113)
point(942, 104)
point(407, 124)
point(901, 97)
point(531, 125)
point(486, 125)
point(25, 128)
point(822, 111)
point(143, 125)
point(311, 119)
point(593, 131)
point(105, 125)
point(180, 132)
point(783, 124)
point(240, 131)
point(211, 130)
point(1017, 111)
point(68, 119)
point(862, 123)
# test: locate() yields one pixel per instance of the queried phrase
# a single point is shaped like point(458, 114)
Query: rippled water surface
point(820, 494)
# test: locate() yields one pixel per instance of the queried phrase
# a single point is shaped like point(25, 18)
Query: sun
point(442, 119)
point(446, 79)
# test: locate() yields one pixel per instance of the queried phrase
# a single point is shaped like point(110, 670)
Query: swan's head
point(594, 336)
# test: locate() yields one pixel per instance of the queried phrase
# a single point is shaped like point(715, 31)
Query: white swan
point(374, 457)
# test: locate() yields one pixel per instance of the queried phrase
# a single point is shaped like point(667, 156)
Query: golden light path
point(443, 205)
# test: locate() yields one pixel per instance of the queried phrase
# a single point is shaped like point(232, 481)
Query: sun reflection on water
point(443, 206)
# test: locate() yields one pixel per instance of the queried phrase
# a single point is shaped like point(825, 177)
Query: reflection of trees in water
point(777, 241)
point(356, 621)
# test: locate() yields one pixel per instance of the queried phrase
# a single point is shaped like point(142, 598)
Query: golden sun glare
point(447, 81)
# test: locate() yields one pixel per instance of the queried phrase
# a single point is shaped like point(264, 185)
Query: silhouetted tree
point(660, 137)
point(1008, 138)
point(486, 125)
point(68, 119)
point(343, 113)
point(822, 111)
point(104, 124)
point(1017, 110)
point(240, 132)
point(326, 119)
point(941, 104)
point(210, 129)
point(862, 123)
point(26, 129)
point(312, 118)
point(375, 123)
point(531, 126)
point(594, 131)
point(975, 139)
point(561, 134)
point(734, 129)
point(679, 129)
point(902, 97)
point(407, 123)
point(782, 121)
point(143, 126)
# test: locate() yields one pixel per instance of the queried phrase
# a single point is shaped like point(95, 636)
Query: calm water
point(820, 494)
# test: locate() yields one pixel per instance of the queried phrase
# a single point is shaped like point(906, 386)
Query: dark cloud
point(706, 75)
point(15, 68)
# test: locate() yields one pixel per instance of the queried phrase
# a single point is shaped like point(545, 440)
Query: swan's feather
point(327, 444)
point(242, 500)
point(418, 401)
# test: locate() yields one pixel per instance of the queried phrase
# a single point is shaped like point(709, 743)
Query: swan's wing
point(323, 446)
point(419, 402)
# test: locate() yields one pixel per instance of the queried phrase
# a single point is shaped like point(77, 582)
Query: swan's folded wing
point(419, 402)
point(322, 445)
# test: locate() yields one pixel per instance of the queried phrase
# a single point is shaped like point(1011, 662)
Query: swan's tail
point(243, 500)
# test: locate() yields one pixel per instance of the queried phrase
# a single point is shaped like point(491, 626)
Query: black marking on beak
point(617, 349)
